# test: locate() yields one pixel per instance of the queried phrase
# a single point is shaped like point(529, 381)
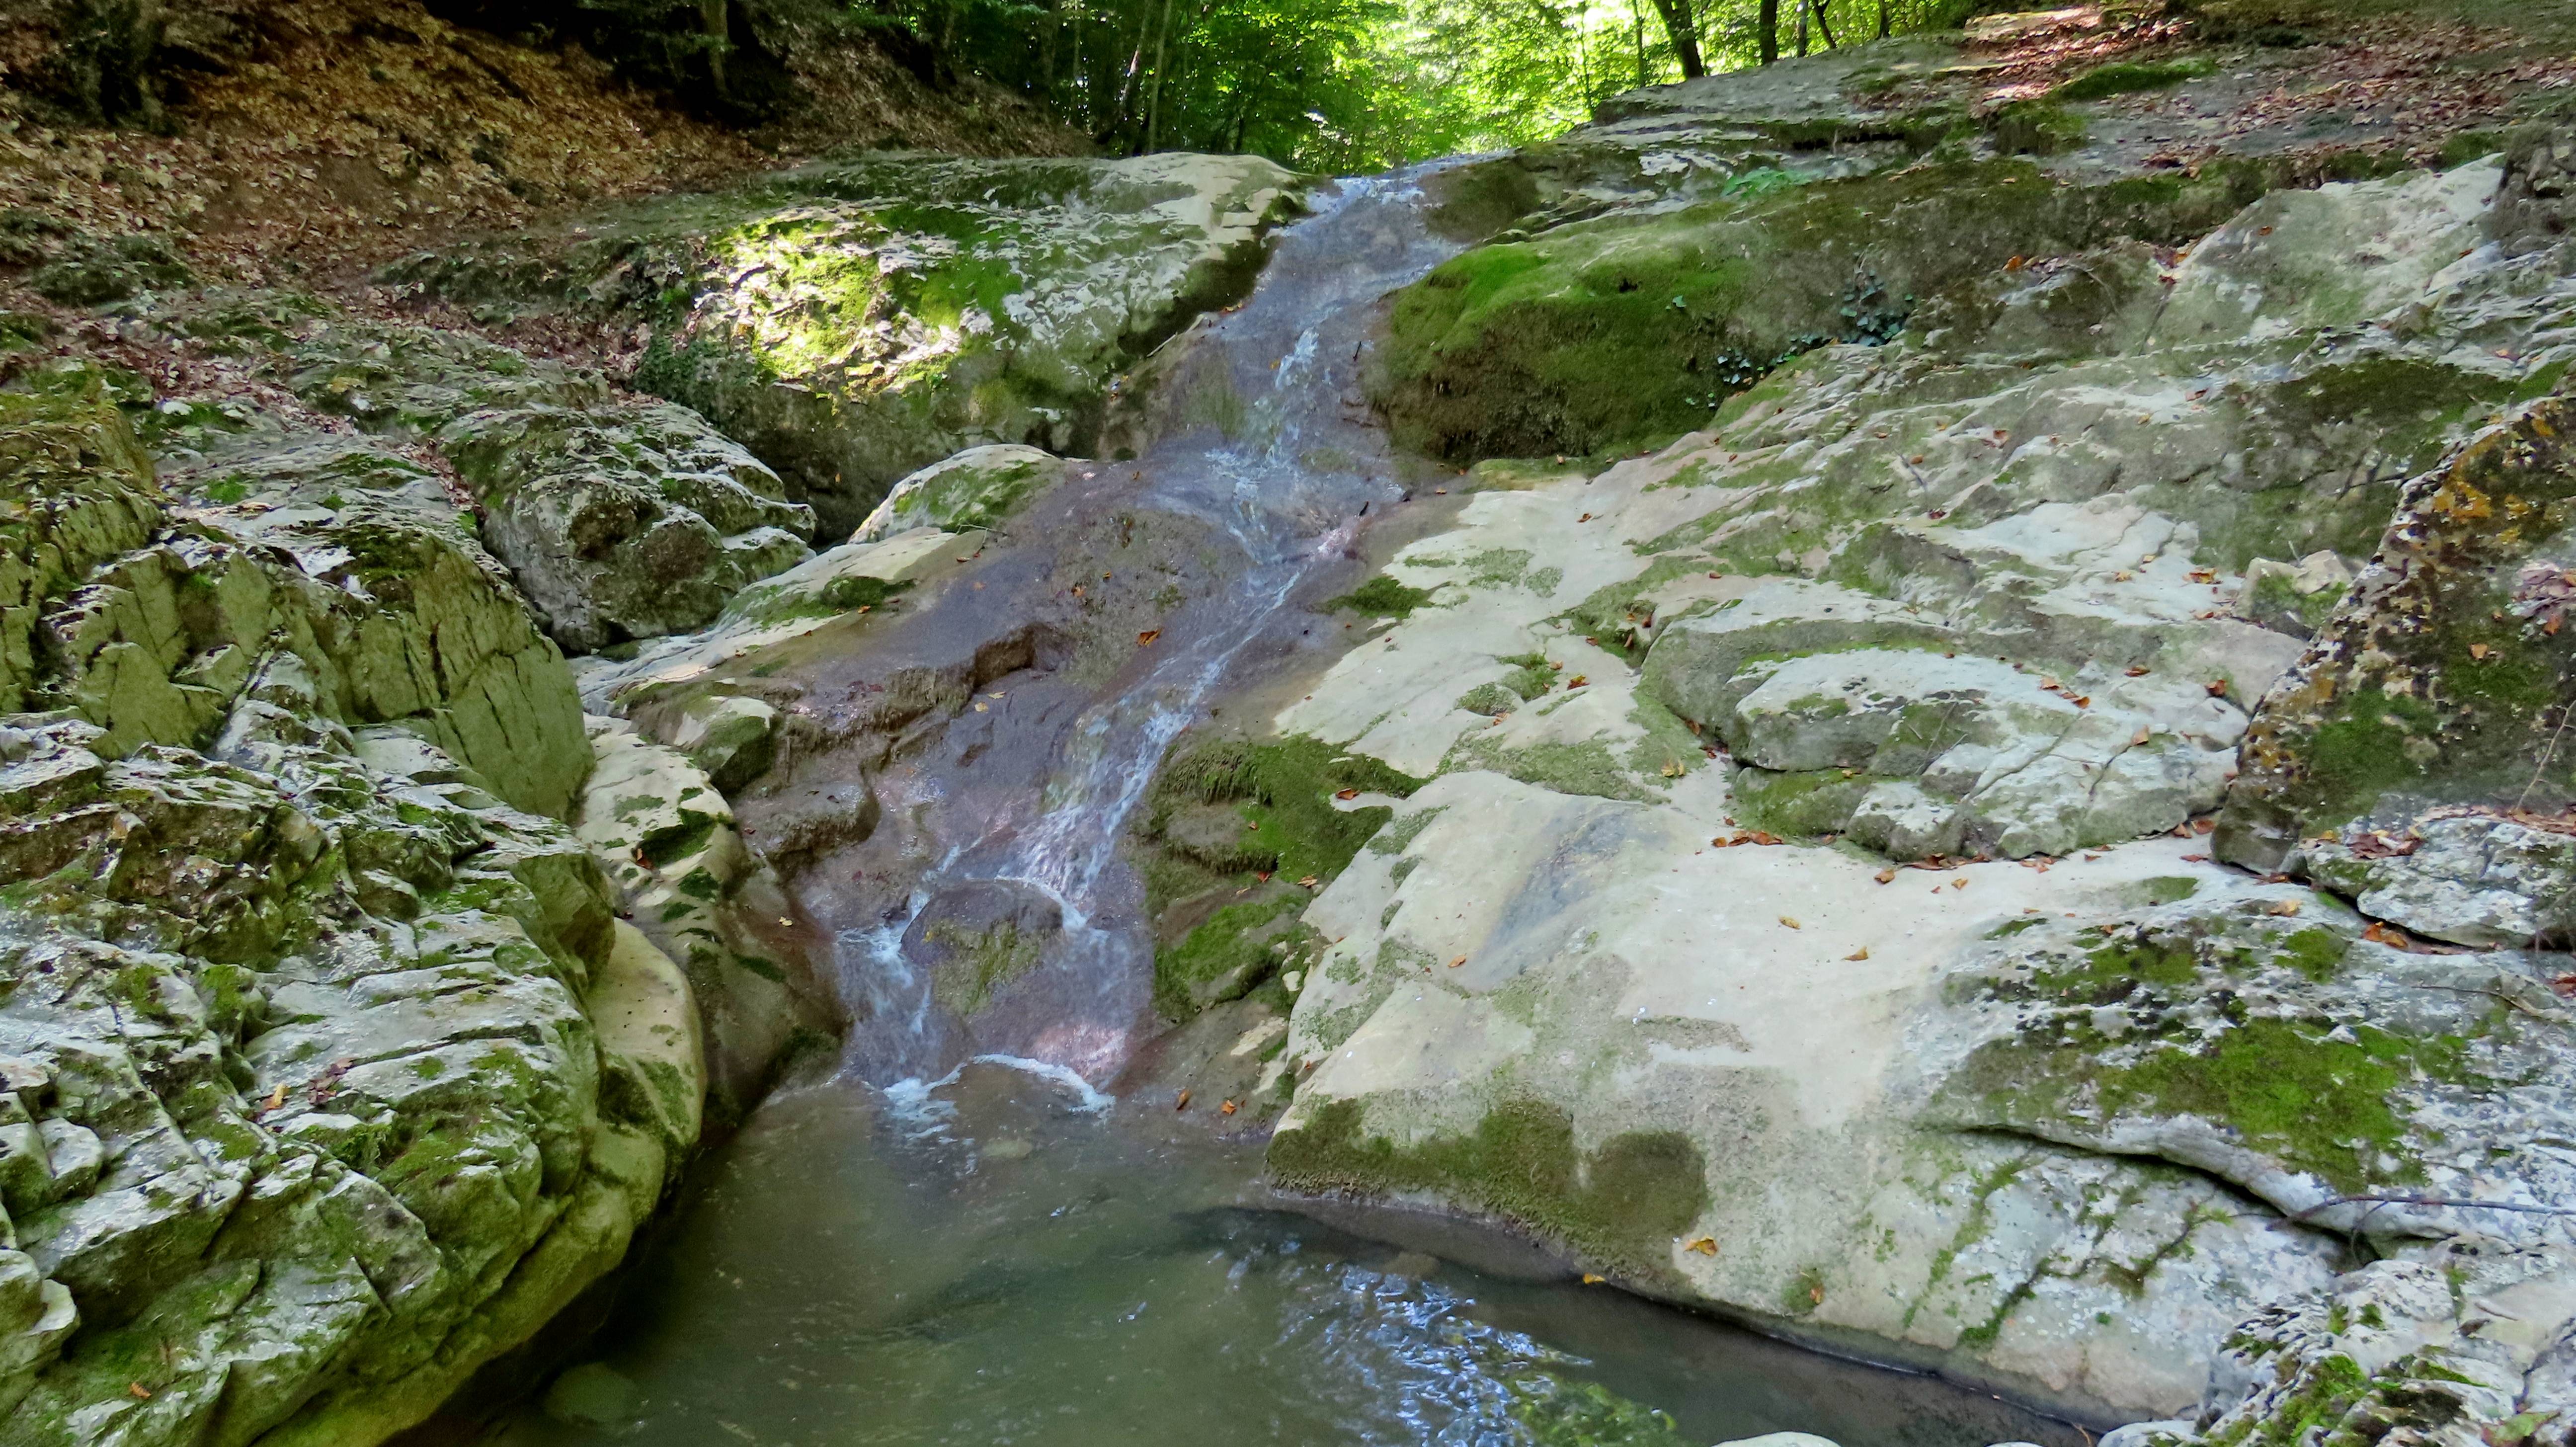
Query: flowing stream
point(961, 1240)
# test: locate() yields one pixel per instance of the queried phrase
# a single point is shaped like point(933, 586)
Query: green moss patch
point(1621, 1204)
point(2214, 1017)
point(1291, 831)
point(1234, 951)
point(1379, 597)
point(2124, 77)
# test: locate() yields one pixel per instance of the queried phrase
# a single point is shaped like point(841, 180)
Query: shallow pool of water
point(1006, 1257)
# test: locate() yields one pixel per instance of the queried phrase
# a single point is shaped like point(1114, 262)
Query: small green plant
point(1379, 597)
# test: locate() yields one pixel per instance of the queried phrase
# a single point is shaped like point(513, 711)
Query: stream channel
point(960, 1238)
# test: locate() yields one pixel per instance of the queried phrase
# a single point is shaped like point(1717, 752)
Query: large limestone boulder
point(1695, 236)
point(619, 518)
point(1698, 1068)
point(393, 615)
point(329, 1073)
point(1795, 919)
point(310, 1079)
point(77, 491)
point(856, 320)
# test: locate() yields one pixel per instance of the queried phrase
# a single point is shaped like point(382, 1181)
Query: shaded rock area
point(315, 1110)
point(663, 831)
point(335, 1073)
point(857, 320)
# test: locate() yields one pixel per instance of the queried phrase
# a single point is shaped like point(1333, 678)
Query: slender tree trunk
point(712, 22)
point(1883, 27)
point(1679, 24)
point(1770, 31)
point(1123, 115)
point(1154, 102)
point(1821, 24)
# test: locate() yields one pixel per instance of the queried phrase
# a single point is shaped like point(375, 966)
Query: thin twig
point(2377, 1201)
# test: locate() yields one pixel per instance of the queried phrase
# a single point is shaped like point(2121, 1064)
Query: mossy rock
point(1240, 831)
point(76, 489)
point(857, 320)
point(1621, 1204)
point(2445, 674)
point(1604, 335)
point(2263, 1039)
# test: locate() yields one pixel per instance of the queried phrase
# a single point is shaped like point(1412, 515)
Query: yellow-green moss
point(1621, 1204)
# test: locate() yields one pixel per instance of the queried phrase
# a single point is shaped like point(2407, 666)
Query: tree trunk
point(1883, 30)
point(1802, 29)
point(1685, 33)
point(1770, 31)
point(1154, 105)
point(1823, 25)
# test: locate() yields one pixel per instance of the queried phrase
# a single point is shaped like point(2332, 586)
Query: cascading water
point(1288, 480)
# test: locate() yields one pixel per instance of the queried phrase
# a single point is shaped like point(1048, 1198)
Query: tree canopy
point(1351, 85)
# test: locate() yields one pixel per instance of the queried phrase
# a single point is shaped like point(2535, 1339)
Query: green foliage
point(1350, 85)
point(1380, 597)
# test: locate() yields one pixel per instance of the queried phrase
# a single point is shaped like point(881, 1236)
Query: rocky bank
point(364, 996)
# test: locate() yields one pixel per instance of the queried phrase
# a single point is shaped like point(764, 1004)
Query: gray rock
point(2472, 878)
point(620, 519)
point(974, 489)
point(799, 339)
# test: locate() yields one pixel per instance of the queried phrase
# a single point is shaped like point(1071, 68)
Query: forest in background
point(1325, 85)
point(1352, 85)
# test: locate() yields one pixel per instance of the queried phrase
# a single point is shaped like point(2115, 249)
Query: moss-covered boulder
point(75, 490)
point(1601, 333)
point(1699, 235)
point(856, 320)
point(975, 489)
point(329, 1079)
point(341, 560)
point(620, 519)
point(2462, 1345)
point(666, 838)
point(2444, 676)
point(2347, 1081)
point(327, 1072)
